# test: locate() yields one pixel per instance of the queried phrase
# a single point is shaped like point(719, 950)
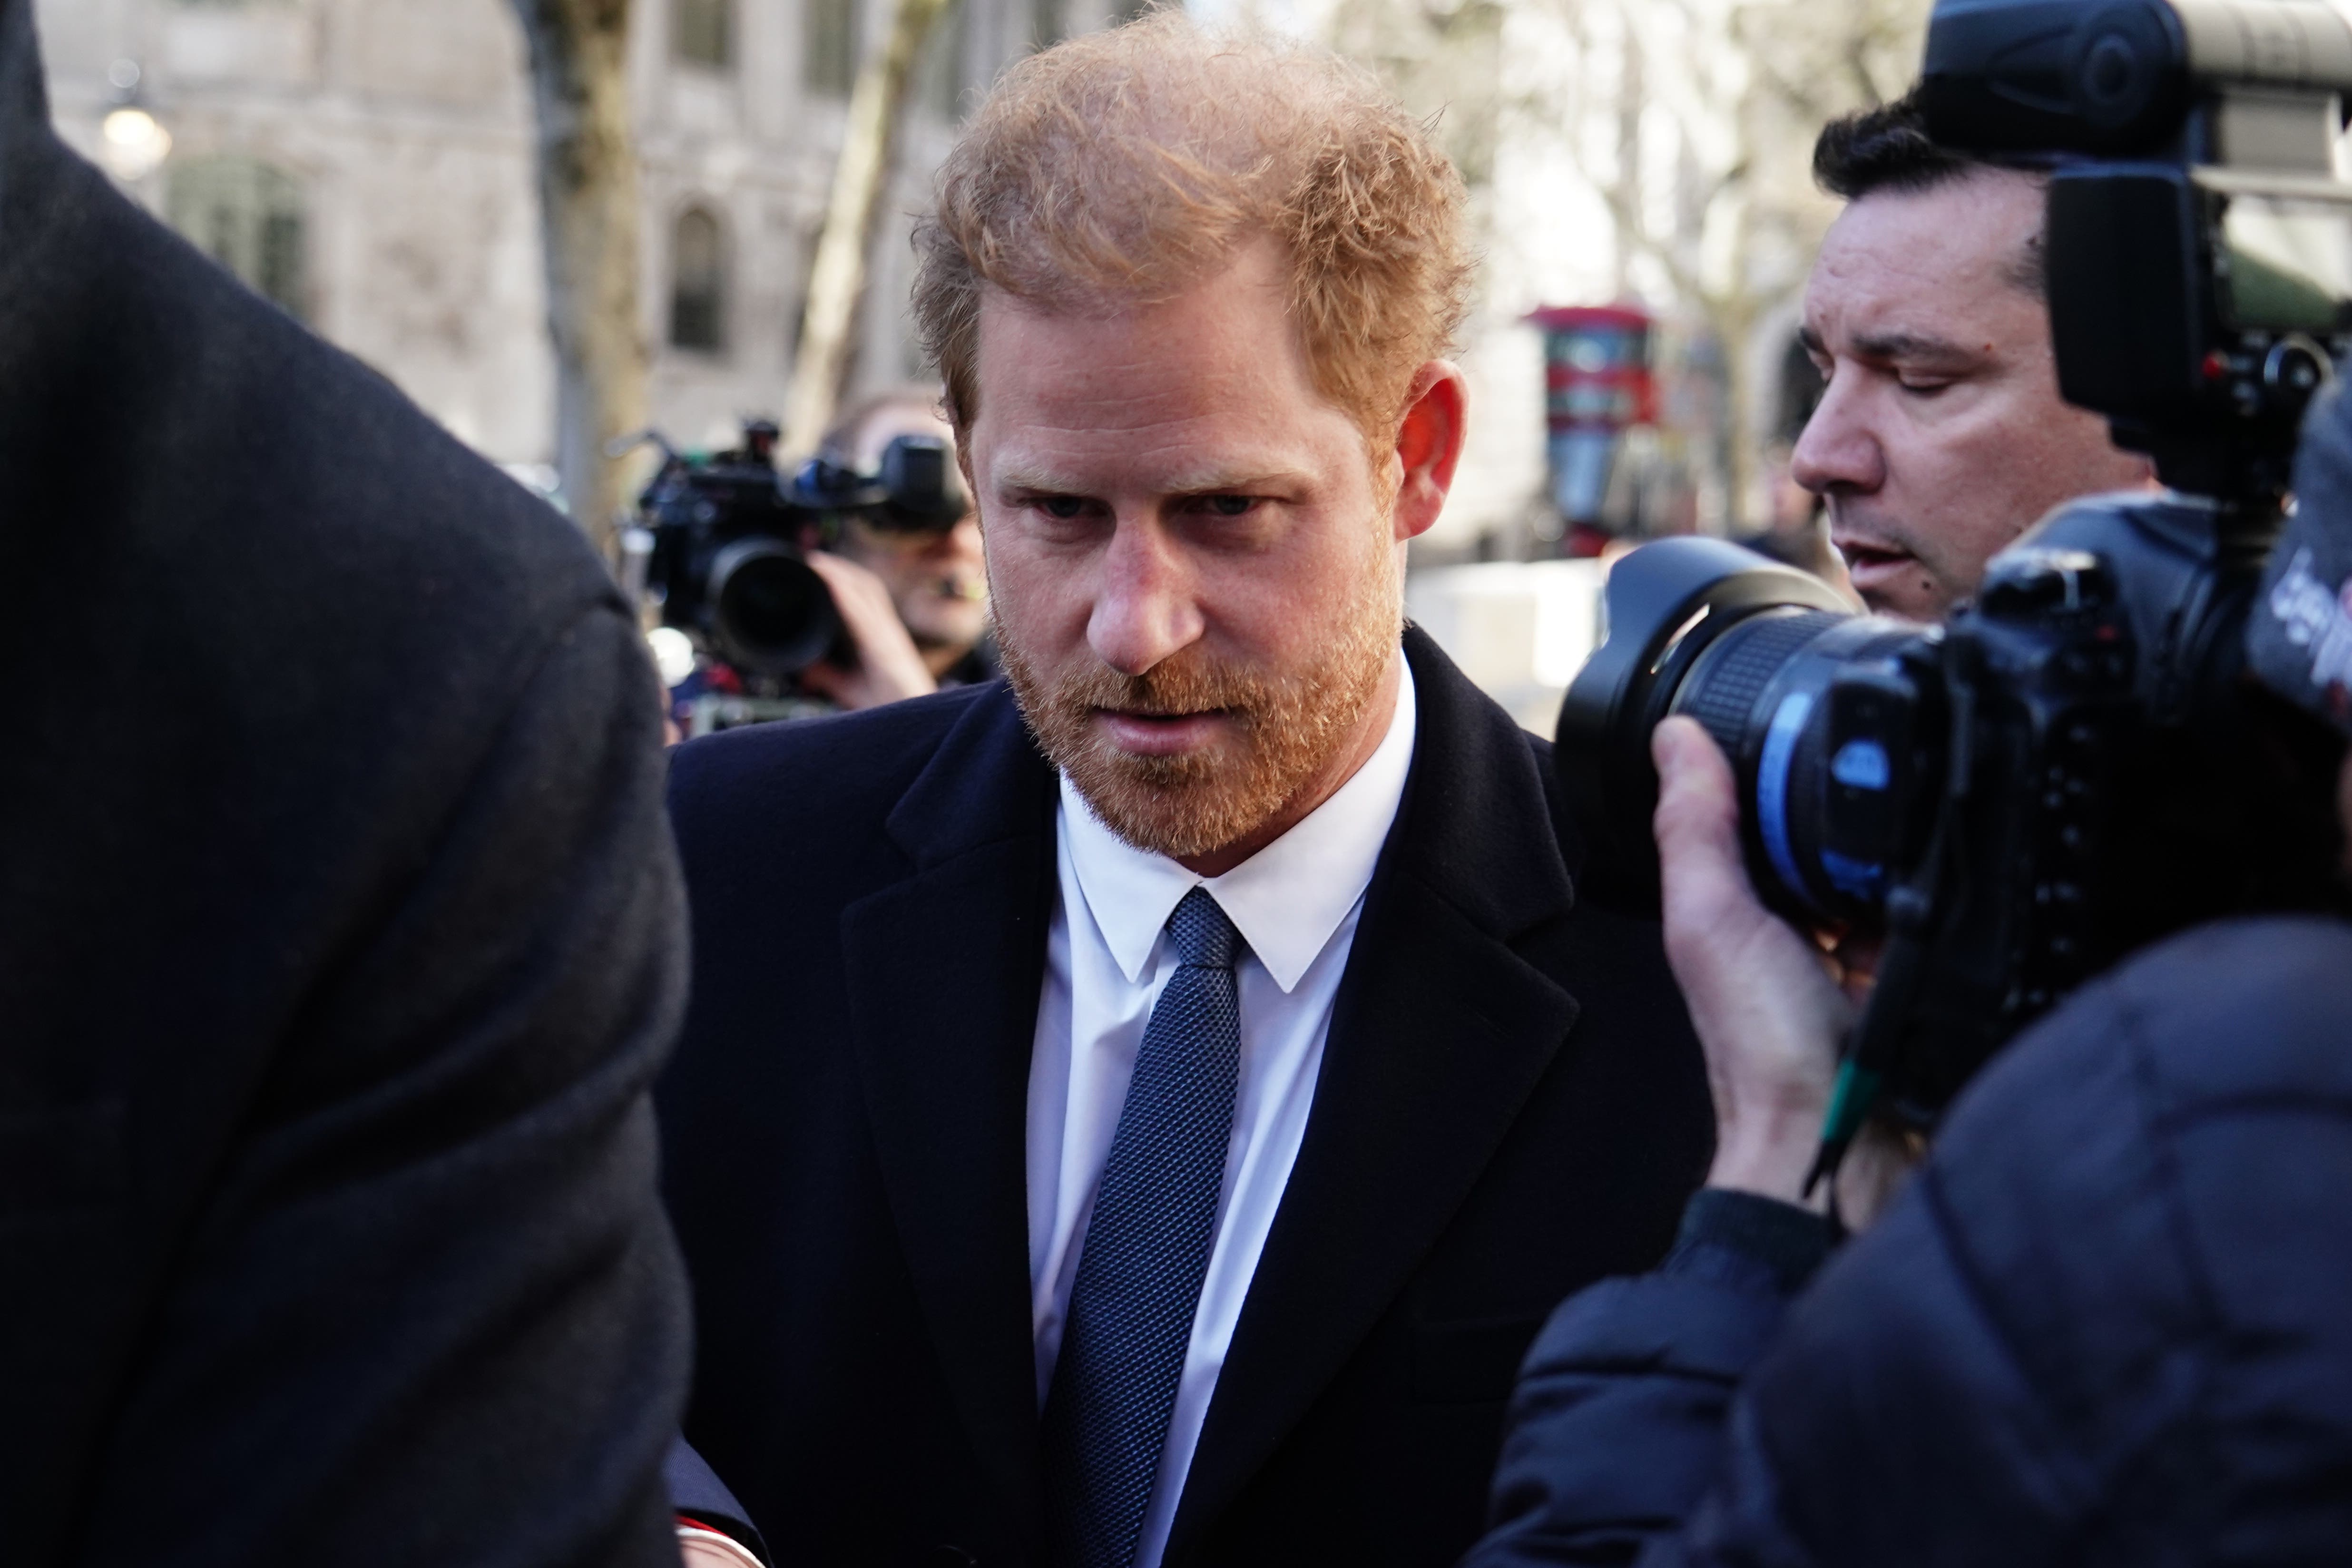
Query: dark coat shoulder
point(340, 937)
point(2109, 1320)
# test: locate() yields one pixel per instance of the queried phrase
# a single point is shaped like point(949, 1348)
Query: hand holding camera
point(885, 665)
point(1770, 1004)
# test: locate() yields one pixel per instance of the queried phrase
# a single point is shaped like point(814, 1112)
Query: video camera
point(2078, 763)
point(727, 540)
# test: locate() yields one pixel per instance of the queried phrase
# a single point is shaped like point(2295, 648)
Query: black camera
point(2078, 763)
point(914, 488)
point(727, 563)
point(727, 535)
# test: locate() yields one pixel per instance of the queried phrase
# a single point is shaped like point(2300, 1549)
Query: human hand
point(1770, 1004)
point(889, 665)
point(1768, 1011)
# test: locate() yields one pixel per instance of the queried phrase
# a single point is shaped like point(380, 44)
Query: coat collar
point(1439, 1032)
point(943, 969)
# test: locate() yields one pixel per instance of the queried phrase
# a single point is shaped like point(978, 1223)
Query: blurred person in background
point(1940, 436)
point(899, 557)
point(340, 937)
point(913, 597)
point(1136, 1112)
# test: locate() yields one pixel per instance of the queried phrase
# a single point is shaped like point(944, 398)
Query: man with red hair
point(1139, 1112)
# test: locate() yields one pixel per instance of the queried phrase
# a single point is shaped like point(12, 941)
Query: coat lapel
point(1439, 1032)
point(943, 971)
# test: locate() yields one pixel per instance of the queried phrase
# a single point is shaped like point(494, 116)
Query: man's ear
point(1429, 446)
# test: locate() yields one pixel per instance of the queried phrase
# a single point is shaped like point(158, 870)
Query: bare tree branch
point(837, 280)
point(589, 223)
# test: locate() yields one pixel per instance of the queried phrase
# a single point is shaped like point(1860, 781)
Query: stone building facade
point(367, 163)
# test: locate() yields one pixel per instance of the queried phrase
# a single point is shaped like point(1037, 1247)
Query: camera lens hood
point(769, 610)
point(1665, 604)
point(915, 487)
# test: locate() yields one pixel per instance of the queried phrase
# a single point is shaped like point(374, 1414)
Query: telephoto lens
point(768, 609)
point(2072, 766)
point(1814, 707)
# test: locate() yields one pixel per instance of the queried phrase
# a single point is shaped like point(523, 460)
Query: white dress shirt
point(1296, 903)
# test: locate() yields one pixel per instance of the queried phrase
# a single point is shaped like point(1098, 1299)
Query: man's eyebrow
point(1908, 345)
point(1019, 479)
point(1219, 481)
point(1015, 478)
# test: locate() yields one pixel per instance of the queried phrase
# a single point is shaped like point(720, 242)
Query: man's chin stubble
point(1194, 803)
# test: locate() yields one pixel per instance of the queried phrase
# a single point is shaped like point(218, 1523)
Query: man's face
point(1197, 588)
point(1941, 435)
point(938, 582)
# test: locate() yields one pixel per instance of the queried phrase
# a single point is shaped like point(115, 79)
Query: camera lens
point(1801, 695)
point(770, 611)
point(1820, 777)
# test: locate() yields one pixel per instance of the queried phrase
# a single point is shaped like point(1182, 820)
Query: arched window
point(698, 282)
point(248, 217)
point(703, 32)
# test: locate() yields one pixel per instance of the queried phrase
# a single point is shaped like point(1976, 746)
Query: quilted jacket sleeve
point(1617, 1426)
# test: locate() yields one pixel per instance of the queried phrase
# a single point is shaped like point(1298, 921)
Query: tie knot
point(1205, 938)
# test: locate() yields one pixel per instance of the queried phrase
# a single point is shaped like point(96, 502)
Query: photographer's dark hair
point(1884, 149)
point(1887, 147)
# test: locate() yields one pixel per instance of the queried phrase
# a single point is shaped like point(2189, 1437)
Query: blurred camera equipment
point(725, 564)
point(915, 488)
point(2078, 763)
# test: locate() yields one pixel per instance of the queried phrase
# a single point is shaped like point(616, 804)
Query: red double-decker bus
point(1598, 385)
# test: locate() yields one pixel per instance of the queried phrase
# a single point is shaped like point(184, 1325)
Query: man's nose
point(1838, 451)
point(1145, 608)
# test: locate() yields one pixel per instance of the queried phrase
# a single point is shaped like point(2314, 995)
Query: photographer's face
point(938, 582)
point(1941, 435)
point(1197, 579)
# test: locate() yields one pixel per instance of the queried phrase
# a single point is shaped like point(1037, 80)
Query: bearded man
point(1140, 1112)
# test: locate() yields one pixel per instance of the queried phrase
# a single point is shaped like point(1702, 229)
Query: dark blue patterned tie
point(1146, 1252)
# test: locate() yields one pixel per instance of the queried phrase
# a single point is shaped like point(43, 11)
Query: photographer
point(856, 581)
point(2108, 1320)
point(913, 597)
point(1940, 436)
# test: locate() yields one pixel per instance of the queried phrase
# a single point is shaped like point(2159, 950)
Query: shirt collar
point(1285, 900)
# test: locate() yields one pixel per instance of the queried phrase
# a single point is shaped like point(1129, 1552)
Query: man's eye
point(1922, 388)
point(1063, 508)
point(1229, 505)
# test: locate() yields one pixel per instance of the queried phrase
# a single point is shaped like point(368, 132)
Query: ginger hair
point(1124, 166)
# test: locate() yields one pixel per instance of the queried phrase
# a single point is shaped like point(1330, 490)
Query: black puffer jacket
point(2110, 1321)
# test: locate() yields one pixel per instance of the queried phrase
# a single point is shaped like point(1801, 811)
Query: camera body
point(2078, 762)
point(2199, 247)
point(726, 564)
point(914, 489)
